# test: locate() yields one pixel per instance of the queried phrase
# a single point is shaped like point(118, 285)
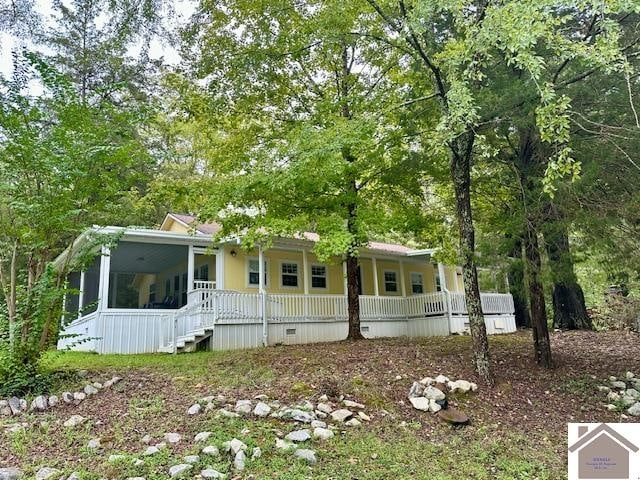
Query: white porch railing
point(492, 303)
point(201, 290)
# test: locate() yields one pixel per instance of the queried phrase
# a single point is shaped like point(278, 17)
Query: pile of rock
point(428, 395)
point(17, 406)
point(623, 394)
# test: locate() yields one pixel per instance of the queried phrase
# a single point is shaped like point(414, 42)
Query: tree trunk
point(517, 287)
point(353, 300)
point(541, 342)
point(569, 309)
point(461, 175)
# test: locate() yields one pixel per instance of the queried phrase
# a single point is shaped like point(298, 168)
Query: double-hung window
point(318, 276)
point(253, 274)
point(289, 274)
point(390, 281)
point(417, 284)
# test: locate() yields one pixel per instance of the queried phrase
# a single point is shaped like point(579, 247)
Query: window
point(183, 297)
point(417, 285)
point(204, 273)
point(167, 287)
point(438, 284)
point(253, 267)
point(289, 271)
point(152, 293)
point(318, 276)
point(176, 284)
point(390, 281)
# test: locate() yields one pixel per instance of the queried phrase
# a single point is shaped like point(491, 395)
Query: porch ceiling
point(133, 257)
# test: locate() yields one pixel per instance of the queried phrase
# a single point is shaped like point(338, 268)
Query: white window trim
point(384, 282)
point(290, 287)
point(436, 277)
point(326, 276)
point(246, 272)
point(421, 275)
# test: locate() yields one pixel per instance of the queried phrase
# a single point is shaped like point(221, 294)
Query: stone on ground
point(115, 458)
point(352, 404)
point(307, 455)
point(151, 450)
point(620, 385)
point(433, 393)
point(234, 446)
point(94, 443)
point(45, 473)
point(239, 460)
point(420, 403)
point(318, 424)
point(74, 421)
point(172, 437)
point(461, 386)
point(634, 409)
point(223, 412)
point(211, 450)
point(354, 422)
point(79, 397)
point(53, 401)
point(284, 444)
point(40, 403)
point(298, 436)
point(341, 415)
point(243, 407)
point(202, 437)
point(324, 408)
point(261, 409)
point(10, 473)
point(257, 453)
point(416, 390)
point(15, 406)
point(67, 397)
point(90, 390)
point(211, 473)
point(364, 416)
point(322, 433)
point(434, 406)
point(180, 469)
point(297, 415)
point(194, 409)
point(191, 459)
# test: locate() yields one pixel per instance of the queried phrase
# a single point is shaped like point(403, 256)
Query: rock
point(318, 424)
point(257, 453)
point(74, 421)
point(612, 379)
point(179, 470)
point(138, 463)
point(115, 458)
point(628, 401)
point(82, 373)
point(298, 436)
point(97, 385)
point(305, 405)
point(67, 397)
point(322, 433)
point(474, 387)
point(239, 461)
point(234, 446)
point(211, 473)
point(634, 410)
point(354, 422)
point(94, 444)
point(420, 403)
point(341, 415)
point(633, 393)
point(10, 473)
point(90, 390)
point(151, 450)
point(226, 413)
point(45, 473)
point(78, 397)
point(76, 476)
point(298, 415)
point(284, 444)
point(352, 404)
point(461, 386)
point(611, 407)
point(323, 398)
point(211, 450)
point(435, 406)
point(416, 390)
point(202, 437)
point(194, 409)
point(172, 437)
point(243, 407)
point(261, 409)
point(364, 416)
point(426, 381)
point(453, 416)
point(191, 459)
point(613, 396)
point(620, 385)
point(441, 379)
point(53, 401)
point(603, 389)
point(433, 393)
point(161, 445)
point(40, 403)
point(15, 406)
point(324, 408)
point(629, 375)
point(146, 439)
point(307, 455)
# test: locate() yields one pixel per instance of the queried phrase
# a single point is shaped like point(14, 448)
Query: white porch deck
point(224, 320)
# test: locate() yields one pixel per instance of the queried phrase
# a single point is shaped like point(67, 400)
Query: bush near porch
point(518, 429)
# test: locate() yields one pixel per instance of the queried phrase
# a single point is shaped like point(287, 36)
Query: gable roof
point(599, 430)
point(213, 228)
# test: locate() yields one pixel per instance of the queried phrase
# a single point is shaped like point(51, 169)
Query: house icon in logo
point(602, 453)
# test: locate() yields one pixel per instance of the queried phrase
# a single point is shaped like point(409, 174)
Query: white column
point(403, 287)
point(263, 297)
point(220, 268)
point(307, 273)
point(344, 274)
point(103, 285)
point(376, 287)
point(443, 277)
point(191, 265)
point(81, 294)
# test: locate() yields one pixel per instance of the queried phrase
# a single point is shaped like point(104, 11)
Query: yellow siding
point(173, 226)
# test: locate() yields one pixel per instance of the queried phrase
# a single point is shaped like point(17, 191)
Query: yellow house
point(173, 288)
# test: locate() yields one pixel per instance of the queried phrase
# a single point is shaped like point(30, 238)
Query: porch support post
point(305, 282)
point(376, 287)
point(103, 282)
point(263, 297)
point(344, 274)
point(81, 294)
point(445, 290)
point(191, 265)
point(220, 268)
point(403, 286)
